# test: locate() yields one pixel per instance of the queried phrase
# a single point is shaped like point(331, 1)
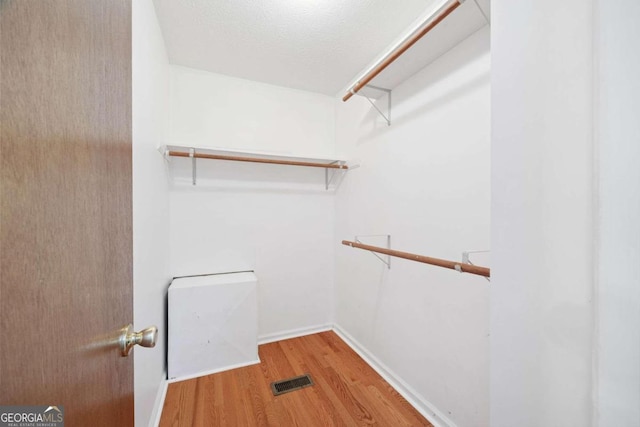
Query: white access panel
point(213, 324)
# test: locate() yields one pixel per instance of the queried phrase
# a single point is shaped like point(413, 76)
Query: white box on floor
point(213, 324)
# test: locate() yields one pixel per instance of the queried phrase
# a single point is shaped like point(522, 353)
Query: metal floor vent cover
point(291, 384)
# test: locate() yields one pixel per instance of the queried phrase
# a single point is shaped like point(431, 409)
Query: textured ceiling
point(313, 45)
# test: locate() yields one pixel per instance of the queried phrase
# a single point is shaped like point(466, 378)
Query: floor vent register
point(291, 384)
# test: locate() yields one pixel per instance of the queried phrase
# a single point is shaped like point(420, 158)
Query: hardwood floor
point(346, 391)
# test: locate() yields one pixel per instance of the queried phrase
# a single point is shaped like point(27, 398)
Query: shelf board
point(254, 156)
point(460, 24)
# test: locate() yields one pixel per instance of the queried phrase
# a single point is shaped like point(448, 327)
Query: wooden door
point(66, 243)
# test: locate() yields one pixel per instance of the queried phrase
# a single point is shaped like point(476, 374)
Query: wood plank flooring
point(346, 391)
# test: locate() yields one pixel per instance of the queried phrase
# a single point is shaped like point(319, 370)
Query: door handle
point(128, 338)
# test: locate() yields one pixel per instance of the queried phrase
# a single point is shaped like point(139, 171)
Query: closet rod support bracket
point(466, 258)
point(165, 153)
point(192, 154)
point(329, 177)
point(387, 259)
point(386, 117)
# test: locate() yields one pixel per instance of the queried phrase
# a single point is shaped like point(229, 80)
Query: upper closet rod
point(463, 268)
point(339, 165)
point(433, 20)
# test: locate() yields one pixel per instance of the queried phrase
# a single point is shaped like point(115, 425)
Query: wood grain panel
point(65, 200)
point(346, 391)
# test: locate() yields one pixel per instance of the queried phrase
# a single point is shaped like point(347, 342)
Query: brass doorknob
point(128, 338)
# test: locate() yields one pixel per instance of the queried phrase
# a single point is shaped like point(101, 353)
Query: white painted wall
point(425, 181)
point(212, 110)
point(151, 275)
point(618, 157)
point(542, 213)
point(274, 219)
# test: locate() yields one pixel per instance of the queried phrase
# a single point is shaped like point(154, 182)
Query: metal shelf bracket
point(192, 155)
point(329, 176)
point(165, 153)
point(386, 92)
point(387, 258)
point(467, 260)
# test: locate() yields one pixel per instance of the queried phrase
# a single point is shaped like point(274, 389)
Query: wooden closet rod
point(258, 160)
point(458, 266)
point(427, 26)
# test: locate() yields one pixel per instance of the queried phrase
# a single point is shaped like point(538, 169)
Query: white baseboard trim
point(425, 408)
point(293, 333)
point(213, 371)
point(158, 405)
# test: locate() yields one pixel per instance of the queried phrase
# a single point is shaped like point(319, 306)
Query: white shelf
point(334, 169)
point(266, 155)
point(460, 24)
